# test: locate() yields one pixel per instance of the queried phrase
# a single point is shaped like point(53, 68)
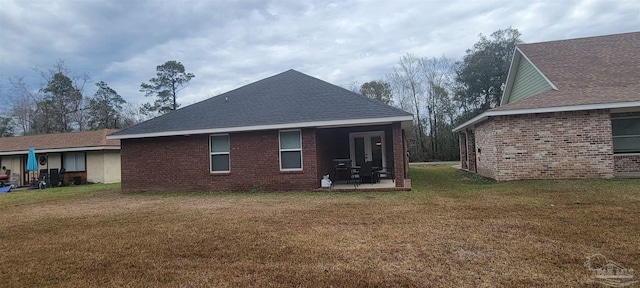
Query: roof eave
point(60, 150)
point(482, 117)
point(325, 124)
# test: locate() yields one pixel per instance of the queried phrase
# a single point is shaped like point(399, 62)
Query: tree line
point(443, 93)
point(60, 103)
point(440, 92)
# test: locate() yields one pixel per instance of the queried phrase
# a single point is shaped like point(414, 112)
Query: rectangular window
point(626, 135)
point(219, 145)
point(74, 161)
point(290, 150)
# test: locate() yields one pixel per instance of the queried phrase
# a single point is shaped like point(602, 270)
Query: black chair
point(54, 177)
point(367, 173)
point(388, 173)
point(354, 176)
point(61, 176)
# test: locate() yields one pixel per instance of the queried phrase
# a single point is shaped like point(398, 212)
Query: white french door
point(368, 146)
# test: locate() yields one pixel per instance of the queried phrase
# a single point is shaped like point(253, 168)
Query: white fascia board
point(515, 62)
point(61, 150)
point(491, 113)
point(473, 121)
point(331, 123)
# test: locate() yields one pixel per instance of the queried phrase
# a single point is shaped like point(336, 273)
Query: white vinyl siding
point(74, 162)
point(626, 135)
point(219, 149)
point(290, 150)
point(528, 82)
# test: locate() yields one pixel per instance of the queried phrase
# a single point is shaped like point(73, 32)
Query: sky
point(228, 44)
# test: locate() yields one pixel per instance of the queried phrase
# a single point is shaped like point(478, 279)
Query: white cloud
point(229, 44)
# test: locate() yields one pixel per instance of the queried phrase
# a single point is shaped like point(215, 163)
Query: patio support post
point(463, 150)
point(399, 157)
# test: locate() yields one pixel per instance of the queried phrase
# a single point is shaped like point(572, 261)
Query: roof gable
point(288, 98)
point(588, 73)
point(524, 80)
point(58, 142)
point(585, 71)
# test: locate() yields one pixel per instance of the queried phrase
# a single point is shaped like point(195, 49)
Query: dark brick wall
point(181, 163)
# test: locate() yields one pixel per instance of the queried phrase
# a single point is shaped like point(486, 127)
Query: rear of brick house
point(570, 109)
point(277, 134)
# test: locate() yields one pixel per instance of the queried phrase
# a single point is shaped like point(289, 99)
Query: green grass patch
point(453, 230)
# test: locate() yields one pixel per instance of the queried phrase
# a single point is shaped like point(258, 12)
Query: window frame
point(280, 150)
point(211, 153)
point(613, 137)
point(84, 159)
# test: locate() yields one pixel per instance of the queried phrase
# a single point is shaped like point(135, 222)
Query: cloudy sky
point(227, 44)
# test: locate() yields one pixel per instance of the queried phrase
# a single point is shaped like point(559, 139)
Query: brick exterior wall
point(487, 154)
point(546, 146)
point(627, 163)
point(181, 163)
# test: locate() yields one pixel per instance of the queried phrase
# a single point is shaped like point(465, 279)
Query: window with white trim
point(219, 149)
point(290, 150)
point(626, 135)
point(74, 161)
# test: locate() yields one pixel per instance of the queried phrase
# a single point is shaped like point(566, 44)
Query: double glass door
point(368, 146)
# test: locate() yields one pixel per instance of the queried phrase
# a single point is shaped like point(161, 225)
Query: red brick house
point(570, 109)
point(280, 133)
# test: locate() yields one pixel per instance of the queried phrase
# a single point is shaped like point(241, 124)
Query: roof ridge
point(574, 39)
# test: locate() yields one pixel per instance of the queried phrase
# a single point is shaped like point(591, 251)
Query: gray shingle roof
point(285, 98)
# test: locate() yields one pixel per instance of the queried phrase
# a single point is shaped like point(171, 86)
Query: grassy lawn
point(452, 230)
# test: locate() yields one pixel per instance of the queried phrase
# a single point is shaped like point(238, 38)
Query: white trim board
point(369, 121)
point(490, 113)
point(59, 150)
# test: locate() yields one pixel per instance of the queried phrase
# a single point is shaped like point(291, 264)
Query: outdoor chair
point(354, 176)
point(388, 173)
point(61, 176)
point(54, 177)
point(367, 173)
point(5, 178)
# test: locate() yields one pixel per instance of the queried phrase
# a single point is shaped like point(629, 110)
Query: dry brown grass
point(452, 230)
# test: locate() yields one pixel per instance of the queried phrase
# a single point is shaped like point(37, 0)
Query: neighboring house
point(88, 155)
point(570, 109)
point(279, 133)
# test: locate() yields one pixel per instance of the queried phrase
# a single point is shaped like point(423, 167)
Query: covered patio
point(384, 145)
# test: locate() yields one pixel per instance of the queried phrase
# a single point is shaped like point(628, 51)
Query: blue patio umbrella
point(32, 164)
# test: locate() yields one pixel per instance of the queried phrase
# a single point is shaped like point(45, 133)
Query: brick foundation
point(627, 163)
